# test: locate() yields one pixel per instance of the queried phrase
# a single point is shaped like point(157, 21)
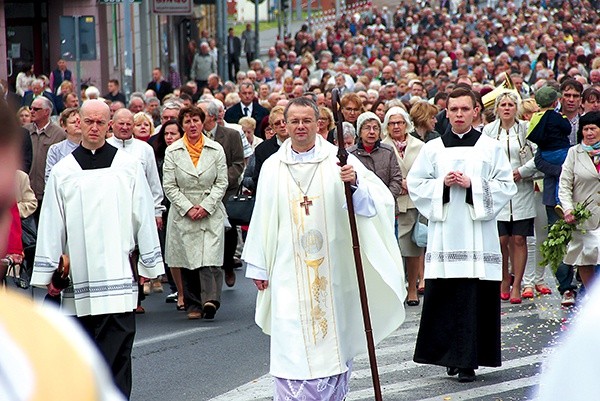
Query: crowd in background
point(394, 68)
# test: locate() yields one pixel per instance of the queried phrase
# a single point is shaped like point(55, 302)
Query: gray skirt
point(406, 225)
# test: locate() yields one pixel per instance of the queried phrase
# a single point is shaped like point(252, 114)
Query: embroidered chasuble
point(299, 239)
point(462, 240)
point(97, 207)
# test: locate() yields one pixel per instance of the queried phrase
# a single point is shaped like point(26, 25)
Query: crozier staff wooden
point(360, 276)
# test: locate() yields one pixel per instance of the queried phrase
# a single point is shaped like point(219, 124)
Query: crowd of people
point(513, 90)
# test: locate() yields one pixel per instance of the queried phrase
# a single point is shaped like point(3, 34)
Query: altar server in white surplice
point(97, 208)
point(460, 182)
point(298, 251)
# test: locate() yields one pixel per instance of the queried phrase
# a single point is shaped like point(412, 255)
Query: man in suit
point(234, 50)
point(247, 107)
point(37, 90)
point(234, 154)
point(161, 87)
point(248, 38)
point(43, 134)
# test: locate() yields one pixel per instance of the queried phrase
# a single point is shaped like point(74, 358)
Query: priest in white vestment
point(299, 253)
point(460, 182)
point(97, 208)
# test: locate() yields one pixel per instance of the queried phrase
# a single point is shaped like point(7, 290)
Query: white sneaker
point(568, 298)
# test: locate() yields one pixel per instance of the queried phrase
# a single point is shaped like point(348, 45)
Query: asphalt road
point(227, 359)
point(179, 359)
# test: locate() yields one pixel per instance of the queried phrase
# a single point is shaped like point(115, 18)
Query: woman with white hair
point(515, 221)
point(396, 126)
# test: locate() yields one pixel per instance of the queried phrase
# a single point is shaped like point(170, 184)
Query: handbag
point(21, 276)
point(525, 153)
point(525, 149)
point(419, 234)
point(239, 208)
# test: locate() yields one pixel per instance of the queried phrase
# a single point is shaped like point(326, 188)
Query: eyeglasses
point(322, 119)
point(399, 123)
point(279, 122)
point(370, 128)
point(36, 108)
point(351, 110)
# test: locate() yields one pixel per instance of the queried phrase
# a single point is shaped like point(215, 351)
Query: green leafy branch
point(554, 248)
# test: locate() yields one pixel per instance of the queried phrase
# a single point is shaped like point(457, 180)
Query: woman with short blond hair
point(143, 126)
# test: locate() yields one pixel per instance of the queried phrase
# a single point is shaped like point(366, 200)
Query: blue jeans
point(564, 273)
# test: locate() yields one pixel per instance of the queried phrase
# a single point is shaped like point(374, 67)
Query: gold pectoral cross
point(305, 204)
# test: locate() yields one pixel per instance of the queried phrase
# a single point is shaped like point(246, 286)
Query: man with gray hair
point(43, 134)
point(247, 107)
point(137, 102)
point(37, 90)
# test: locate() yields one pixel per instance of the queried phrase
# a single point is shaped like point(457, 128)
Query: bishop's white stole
point(312, 263)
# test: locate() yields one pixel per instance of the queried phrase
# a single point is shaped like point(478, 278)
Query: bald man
point(98, 209)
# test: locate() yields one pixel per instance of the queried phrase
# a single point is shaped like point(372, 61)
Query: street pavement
point(227, 359)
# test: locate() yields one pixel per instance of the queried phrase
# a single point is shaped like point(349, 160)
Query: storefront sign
point(172, 7)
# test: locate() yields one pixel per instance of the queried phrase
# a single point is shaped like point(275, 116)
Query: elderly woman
point(143, 126)
point(376, 156)
point(423, 115)
point(515, 221)
point(325, 124)
point(352, 107)
point(248, 126)
point(169, 132)
point(396, 125)
point(580, 182)
point(195, 180)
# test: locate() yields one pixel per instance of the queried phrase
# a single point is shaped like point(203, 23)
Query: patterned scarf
point(400, 146)
point(594, 152)
point(194, 149)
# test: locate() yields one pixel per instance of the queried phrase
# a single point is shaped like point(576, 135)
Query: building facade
point(30, 35)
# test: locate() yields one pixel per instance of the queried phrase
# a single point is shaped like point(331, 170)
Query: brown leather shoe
point(229, 277)
point(193, 315)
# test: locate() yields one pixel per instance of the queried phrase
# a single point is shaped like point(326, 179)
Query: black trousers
point(250, 58)
point(234, 66)
point(231, 240)
point(114, 335)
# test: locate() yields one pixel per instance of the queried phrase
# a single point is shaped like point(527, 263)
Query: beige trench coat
point(195, 243)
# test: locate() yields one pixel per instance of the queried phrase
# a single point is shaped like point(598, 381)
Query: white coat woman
point(580, 182)
point(515, 221)
point(195, 180)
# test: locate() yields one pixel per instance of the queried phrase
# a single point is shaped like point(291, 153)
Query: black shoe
point(209, 310)
point(451, 371)
point(466, 375)
point(412, 302)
